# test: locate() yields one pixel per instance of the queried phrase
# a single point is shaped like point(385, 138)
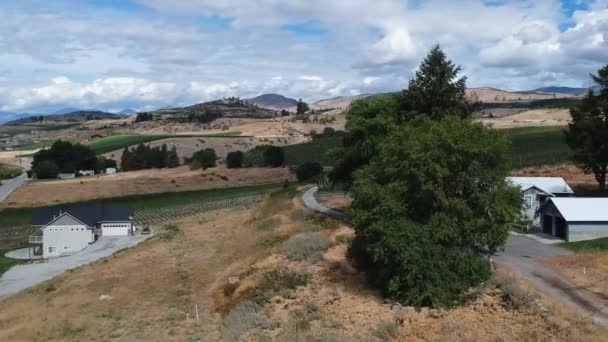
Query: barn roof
point(89, 213)
point(576, 209)
point(551, 185)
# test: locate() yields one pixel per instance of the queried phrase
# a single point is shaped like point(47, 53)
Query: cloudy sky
point(144, 54)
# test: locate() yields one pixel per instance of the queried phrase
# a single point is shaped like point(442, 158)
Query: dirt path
point(521, 254)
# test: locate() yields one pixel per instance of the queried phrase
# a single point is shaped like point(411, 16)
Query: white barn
point(536, 190)
point(60, 231)
point(575, 219)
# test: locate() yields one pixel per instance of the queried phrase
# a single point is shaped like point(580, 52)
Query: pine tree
point(588, 133)
point(173, 158)
point(126, 160)
point(436, 90)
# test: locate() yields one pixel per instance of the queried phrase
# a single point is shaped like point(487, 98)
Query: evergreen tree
point(588, 133)
point(301, 107)
point(126, 161)
point(436, 90)
point(173, 158)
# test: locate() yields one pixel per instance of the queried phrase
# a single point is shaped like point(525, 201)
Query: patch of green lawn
point(590, 246)
point(6, 263)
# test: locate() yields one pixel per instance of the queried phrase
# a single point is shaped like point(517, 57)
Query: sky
point(147, 54)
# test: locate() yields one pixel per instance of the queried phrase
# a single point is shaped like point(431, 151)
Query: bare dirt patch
point(586, 270)
point(532, 118)
point(40, 193)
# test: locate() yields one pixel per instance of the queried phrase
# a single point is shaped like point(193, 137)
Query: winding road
point(521, 254)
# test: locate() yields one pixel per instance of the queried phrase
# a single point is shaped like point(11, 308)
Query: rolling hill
point(77, 116)
point(273, 101)
point(564, 90)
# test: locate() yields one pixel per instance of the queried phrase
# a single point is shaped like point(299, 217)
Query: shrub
point(8, 172)
point(301, 215)
point(329, 132)
point(204, 159)
point(267, 224)
point(274, 156)
point(386, 331)
point(234, 160)
point(306, 246)
point(239, 321)
point(308, 170)
point(514, 295)
point(170, 231)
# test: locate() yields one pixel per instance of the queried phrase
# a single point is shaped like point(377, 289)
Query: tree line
point(65, 157)
point(148, 157)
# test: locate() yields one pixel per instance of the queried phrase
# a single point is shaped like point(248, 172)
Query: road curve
point(11, 185)
point(521, 254)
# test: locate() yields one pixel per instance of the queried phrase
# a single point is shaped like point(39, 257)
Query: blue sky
point(146, 54)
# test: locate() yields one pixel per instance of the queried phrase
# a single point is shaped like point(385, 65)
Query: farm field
point(118, 142)
point(531, 146)
point(152, 209)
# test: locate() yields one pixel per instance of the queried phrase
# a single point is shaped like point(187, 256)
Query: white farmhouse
point(536, 190)
point(60, 231)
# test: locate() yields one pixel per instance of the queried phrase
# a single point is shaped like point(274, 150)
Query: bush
point(515, 296)
point(306, 246)
point(8, 172)
point(308, 170)
point(234, 160)
point(386, 331)
point(239, 321)
point(170, 231)
point(274, 156)
point(204, 159)
point(329, 132)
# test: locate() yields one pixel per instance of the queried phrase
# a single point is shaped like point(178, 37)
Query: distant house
point(86, 172)
point(536, 190)
point(575, 219)
point(110, 170)
point(65, 230)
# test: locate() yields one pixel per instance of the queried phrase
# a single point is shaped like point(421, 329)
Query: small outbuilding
point(536, 190)
point(575, 219)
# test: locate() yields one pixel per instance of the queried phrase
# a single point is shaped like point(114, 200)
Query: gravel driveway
point(521, 254)
point(21, 277)
point(11, 185)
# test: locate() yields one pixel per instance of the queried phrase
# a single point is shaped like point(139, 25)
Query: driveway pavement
point(11, 185)
point(521, 254)
point(21, 277)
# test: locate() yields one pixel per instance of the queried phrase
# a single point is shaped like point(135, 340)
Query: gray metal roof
point(551, 185)
point(89, 213)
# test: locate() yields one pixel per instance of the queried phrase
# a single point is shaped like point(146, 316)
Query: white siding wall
point(587, 231)
point(115, 229)
point(531, 203)
point(60, 240)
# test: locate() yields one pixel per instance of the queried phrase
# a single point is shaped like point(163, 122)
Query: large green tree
point(431, 197)
point(436, 90)
point(588, 132)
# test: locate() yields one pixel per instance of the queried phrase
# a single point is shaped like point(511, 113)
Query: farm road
point(11, 185)
point(21, 277)
point(521, 254)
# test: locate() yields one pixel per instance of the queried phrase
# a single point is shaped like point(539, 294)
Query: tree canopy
point(302, 107)
point(204, 159)
point(588, 132)
point(234, 159)
point(148, 157)
point(66, 157)
point(434, 193)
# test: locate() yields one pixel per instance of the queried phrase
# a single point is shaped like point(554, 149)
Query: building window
point(528, 202)
point(52, 250)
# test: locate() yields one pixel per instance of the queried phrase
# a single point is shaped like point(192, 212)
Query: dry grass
point(572, 174)
point(140, 183)
point(587, 270)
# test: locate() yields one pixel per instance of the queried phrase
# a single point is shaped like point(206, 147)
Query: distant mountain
point(8, 116)
point(273, 101)
point(65, 110)
point(77, 116)
point(127, 111)
point(564, 90)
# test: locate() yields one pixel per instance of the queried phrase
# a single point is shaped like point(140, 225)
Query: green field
point(22, 216)
point(533, 146)
point(118, 142)
point(8, 172)
point(591, 246)
point(537, 146)
point(6, 263)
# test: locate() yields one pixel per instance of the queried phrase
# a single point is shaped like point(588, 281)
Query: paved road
point(521, 254)
point(11, 185)
point(21, 277)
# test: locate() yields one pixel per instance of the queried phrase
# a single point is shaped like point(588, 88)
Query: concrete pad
point(23, 254)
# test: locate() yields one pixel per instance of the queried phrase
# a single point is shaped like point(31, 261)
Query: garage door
point(547, 224)
point(115, 229)
point(561, 228)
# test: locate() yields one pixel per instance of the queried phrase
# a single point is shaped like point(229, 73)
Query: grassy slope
point(6, 263)
point(22, 216)
point(591, 246)
point(117, 142)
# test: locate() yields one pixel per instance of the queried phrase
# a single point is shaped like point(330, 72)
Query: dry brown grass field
point(139, 183)
point(282, 294)
point(572, 174)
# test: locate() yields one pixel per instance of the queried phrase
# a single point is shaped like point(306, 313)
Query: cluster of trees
point(264, 156)
point(308, 170)
point(65, 157)
point(203, 159)
point(141, 117)
point(429, 188)
point(588, 133)
point(147, 157)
